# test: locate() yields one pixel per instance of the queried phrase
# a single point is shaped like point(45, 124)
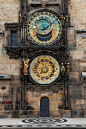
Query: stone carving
point(43, 2)
point(23, 18)
point(26, 65)
point(65, 19)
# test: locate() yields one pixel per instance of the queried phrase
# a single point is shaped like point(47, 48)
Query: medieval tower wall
point(9, 11)
point(76, 32)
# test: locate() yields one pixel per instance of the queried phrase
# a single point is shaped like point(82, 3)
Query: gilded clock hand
point(44, 28)
point(52, 24)
point(34, 27)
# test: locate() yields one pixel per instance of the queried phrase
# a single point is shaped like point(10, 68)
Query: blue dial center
point(44, 28)
point(43, 25)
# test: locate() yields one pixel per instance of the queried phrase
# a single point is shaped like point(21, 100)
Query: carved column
point(65, 42)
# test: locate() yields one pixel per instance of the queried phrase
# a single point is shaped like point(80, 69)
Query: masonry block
point(66, 113)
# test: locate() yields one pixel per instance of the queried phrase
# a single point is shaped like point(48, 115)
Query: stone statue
point(68, 19)
point(62, 69)
point(26, 65)
point(21, 18)
point(62, 19)
point(20, 67)
point(68, 69)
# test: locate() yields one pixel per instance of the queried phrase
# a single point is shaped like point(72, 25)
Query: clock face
point(44, 69)
point(44, 28)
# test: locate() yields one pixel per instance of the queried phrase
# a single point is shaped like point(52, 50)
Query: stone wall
point(77, 45)
point(78, 101)
point(9, 10)
point(55, 101)
point(77, 57)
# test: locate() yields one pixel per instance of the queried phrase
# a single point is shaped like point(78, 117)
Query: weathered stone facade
point(8, 13)
point(55, 101)
point(77, 55)
point(10, 97)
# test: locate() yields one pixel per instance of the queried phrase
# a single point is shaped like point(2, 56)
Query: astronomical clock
point(44, 69)
point(39, 39)
point(44, 28)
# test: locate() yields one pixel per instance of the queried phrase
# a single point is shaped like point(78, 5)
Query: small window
point(13, 38)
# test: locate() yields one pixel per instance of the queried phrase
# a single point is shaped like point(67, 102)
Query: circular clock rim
point(52, 80)
point(46, 10)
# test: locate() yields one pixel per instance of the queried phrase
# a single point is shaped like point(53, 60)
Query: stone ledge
point(80, 31)
point(5, 76)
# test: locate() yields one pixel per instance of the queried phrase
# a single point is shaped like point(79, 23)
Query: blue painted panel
point(58, 34)
point(14, 38)
point(29, 34)
point(46, 43)
point(29, 21)
point(50, 42)
point(57, 19)
point(44, 37)
point(60, 30)
point(31, 37)
point(37, 14)
point(46, 13)
point(42, 43)
point(34, 40)
point(37, 42)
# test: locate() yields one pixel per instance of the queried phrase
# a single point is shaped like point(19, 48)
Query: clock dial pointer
point(34, 27)
point(44, 28)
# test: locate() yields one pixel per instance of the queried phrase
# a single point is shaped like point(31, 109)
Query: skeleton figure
point(26, 65)
point(68, 69)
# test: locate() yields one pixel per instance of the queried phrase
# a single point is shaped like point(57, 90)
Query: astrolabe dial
point(44, 69)
point(44, 28)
